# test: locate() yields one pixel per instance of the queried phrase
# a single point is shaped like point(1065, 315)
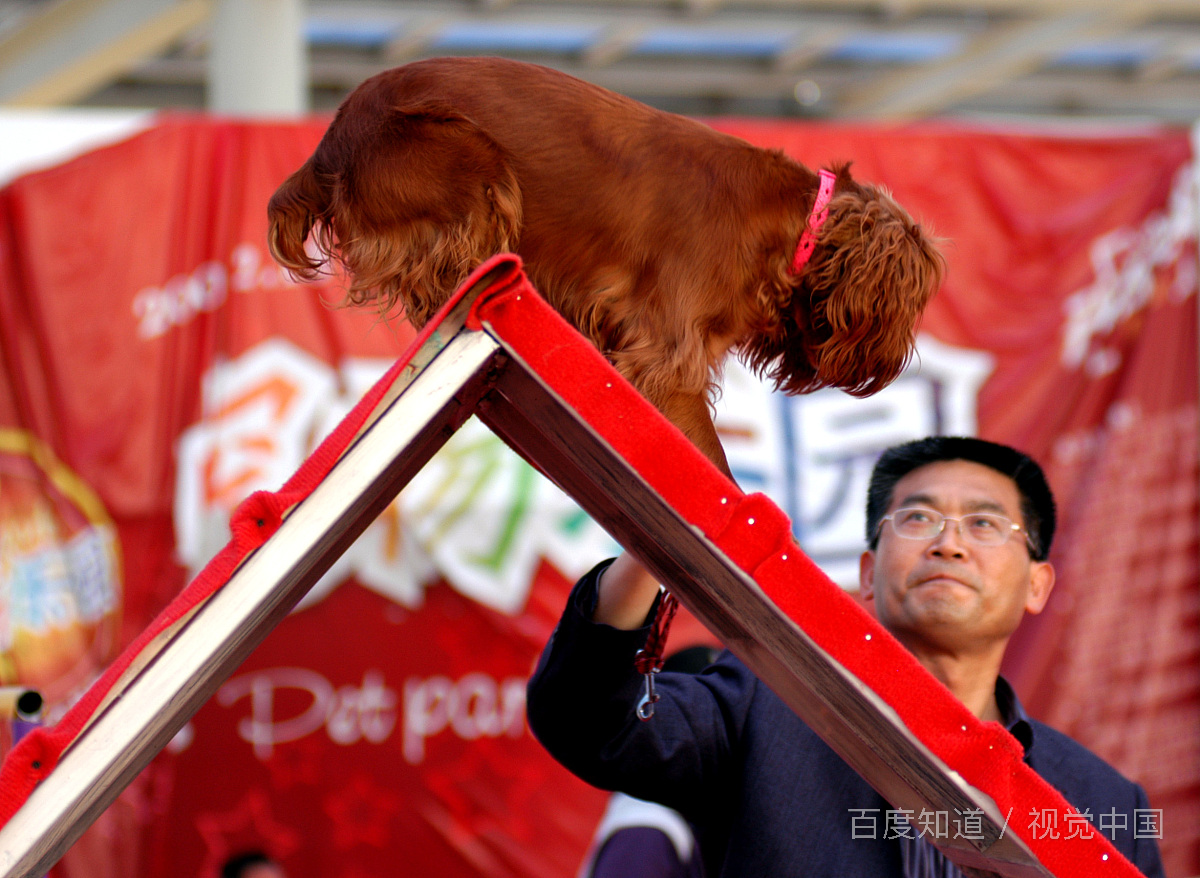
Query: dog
point(666, 243)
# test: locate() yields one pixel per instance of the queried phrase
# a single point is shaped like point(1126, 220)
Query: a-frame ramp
point(498, 351)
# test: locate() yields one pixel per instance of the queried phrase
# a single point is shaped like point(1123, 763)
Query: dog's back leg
point(416, 200)
point(691, 414)
point(684, 406)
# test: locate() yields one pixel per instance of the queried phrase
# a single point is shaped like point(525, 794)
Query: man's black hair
point(1037, 501)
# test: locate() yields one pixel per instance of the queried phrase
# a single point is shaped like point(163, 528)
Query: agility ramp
point(498, 351)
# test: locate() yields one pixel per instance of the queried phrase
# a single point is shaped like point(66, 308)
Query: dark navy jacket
point(766, 794)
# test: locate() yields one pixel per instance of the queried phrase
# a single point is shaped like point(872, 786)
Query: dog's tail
point(408, 200)
point(297, 205)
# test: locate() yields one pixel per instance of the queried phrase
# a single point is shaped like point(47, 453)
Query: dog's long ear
point(293, 210)
point(872, 274)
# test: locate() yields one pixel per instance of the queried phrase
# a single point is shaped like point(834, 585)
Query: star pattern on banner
point(361, 813)
point(248, 824)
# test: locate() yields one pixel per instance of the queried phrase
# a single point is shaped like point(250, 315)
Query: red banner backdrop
point(157, 368)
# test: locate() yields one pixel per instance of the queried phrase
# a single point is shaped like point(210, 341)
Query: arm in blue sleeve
point(582, 700)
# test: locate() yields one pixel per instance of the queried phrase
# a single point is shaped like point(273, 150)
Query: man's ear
point(866, 575)
point(1041, 583)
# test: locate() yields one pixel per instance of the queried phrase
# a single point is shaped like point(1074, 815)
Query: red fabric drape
point(165, 369)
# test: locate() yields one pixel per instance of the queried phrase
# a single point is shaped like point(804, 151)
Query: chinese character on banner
point(813, 454)
point(476, 514)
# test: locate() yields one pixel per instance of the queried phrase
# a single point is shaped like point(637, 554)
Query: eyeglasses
point(980, 528)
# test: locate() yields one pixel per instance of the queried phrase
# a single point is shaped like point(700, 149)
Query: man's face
point(947, 594)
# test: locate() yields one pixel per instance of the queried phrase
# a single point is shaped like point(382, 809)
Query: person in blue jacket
point(958, 534)
point(640, 839)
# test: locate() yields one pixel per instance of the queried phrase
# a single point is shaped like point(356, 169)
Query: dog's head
point(854, 307)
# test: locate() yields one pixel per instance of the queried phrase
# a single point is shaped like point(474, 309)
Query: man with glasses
point(958, 533)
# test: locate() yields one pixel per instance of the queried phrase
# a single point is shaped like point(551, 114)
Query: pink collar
point(816, 219)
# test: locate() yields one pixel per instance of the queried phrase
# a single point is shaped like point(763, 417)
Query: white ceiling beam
point(75, 47)
point(1188, 9)
point(791, 18)
point(415, 38)
point(1173, 59)
point(617, 42)
point(987, 62)
point(1010, 52)
point(809, 48)
point(1077, 95)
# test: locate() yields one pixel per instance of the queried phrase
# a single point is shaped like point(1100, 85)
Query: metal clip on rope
point(645, 708)
point(649, 659)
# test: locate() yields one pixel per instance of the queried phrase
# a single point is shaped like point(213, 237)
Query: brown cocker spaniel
point(666, 243)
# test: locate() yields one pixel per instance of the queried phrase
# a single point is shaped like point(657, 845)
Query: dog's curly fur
point(666, 243)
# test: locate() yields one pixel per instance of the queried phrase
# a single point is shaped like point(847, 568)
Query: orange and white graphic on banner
point(60, 573)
